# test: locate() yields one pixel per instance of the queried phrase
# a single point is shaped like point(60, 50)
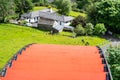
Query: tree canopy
point(35, 1)
point(107, 12)
point(23, 6)
point(6, 8)
point(64, 6)
point(83, 4)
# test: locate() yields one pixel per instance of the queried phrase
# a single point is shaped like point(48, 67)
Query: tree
point(99, 29)
point(64, 6)
point(74, 5)
point(89, 28)
point(23, 6)
point(6, 8)
point(43, 2)
point(79, 30)
point(40, 2)
point(34, 1)
point(107, 12)
point(83, 4)
point(79, 20)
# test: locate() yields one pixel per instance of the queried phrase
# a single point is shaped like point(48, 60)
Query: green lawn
point(14, 37)
point(72, 13)
point(41, 8)
point(75, 14)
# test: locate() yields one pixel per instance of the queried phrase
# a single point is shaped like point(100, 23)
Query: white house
point(46, 19)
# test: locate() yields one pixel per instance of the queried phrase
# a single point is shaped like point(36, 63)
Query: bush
point(99, 29)
point(89, 28)
point(79, 30)
point(79, 20)
point(115, 68)
point(23, 22)
point(113, 60)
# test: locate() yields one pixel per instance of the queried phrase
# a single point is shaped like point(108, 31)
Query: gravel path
point(113, 42)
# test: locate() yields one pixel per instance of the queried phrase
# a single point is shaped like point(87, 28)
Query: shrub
point(23, 22)
point(115, 68)
point(79, 20)
point(79, 30)
point(113, 60)
point(89, 28)
point(99, 29)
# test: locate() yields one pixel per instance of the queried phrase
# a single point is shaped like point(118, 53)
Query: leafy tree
point(79, 20)
point(107, 12)
point(99, 29)
point(64, 6)
point(40, 1)
point(74, 5)
point(89, 28)
point(23, 6)
point(34, 1)
point(43, 2)
point(92, 13)
point(79, 30)
point(83, 4)
point(6, 8)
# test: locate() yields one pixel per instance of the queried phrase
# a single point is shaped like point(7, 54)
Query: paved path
point(113, 42)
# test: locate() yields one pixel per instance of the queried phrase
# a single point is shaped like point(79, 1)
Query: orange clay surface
point(57, 62)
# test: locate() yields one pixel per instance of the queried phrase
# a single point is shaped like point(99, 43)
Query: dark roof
point(54, 24)
point(55, 16)
point(46, 22)
point(31, 14)
point(48, 15)
point(70, 28)
point(58, 27)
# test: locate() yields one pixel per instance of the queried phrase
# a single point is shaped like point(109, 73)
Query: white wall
point(32, 20)
point(67, 24)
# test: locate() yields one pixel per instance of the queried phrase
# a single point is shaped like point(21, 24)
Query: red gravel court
point(57, 62)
